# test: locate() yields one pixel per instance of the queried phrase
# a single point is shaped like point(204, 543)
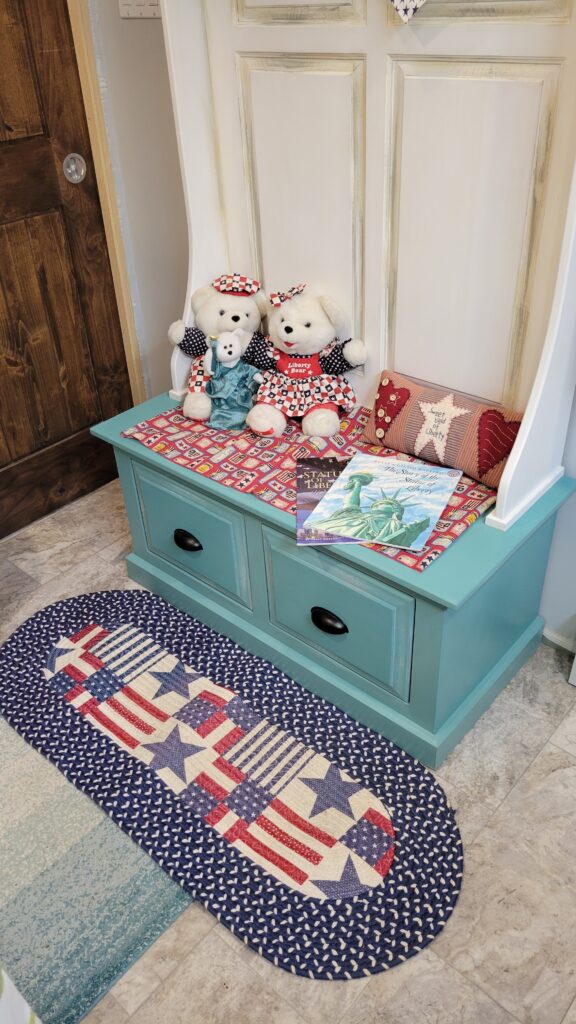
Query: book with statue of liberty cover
point(385, 501)
point(314, 476)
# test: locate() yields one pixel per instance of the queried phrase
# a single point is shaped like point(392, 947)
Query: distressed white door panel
point(490, 10)
point(470, 148)
point(306, 188)
point(278, 11)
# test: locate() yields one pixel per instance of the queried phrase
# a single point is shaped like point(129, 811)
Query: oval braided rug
point(318, 842)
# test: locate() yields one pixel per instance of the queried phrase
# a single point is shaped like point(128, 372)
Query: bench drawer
point(204, 538)
point(362, 624)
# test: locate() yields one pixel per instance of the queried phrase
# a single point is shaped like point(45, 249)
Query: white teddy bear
point(304, 362)
point(230, 303)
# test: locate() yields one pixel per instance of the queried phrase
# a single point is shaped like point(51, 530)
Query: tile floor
point(508, 953)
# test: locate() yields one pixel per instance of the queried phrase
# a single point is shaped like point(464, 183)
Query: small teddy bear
point(303, 366)
point(231, 382)
point(231, 302)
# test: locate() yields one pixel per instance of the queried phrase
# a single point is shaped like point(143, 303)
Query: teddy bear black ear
point(333, 311)
point(200, 296)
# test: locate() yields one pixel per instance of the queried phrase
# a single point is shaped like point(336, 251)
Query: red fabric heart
point(389, 404)
point(495, 439)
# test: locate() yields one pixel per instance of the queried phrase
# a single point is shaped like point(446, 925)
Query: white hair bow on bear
point(277, 298)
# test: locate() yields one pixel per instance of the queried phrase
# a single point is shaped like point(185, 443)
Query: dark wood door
point(62, 363)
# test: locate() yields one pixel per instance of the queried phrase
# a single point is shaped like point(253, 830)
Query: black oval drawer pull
point(187, 541)
point(327, 621)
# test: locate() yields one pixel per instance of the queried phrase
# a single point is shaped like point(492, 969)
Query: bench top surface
point(449, 581)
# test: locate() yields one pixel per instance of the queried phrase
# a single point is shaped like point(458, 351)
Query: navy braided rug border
point(335, 939)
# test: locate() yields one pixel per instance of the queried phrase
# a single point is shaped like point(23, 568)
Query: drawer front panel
point(220, 556)
point(309, 594)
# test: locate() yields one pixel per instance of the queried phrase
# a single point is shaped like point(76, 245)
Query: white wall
point(138, 113)
point(559, 597)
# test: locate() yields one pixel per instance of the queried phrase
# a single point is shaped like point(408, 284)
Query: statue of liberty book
point(379, 500)
point(315, 476)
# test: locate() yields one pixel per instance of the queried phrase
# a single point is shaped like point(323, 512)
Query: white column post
point(536, 459)
point(189, 72)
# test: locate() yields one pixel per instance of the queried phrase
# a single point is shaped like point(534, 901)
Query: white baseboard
point(559, 640)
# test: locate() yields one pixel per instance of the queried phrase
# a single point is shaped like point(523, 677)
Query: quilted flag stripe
point(282, 764)
point(112, 728)
point(300, 823)
point(75, 673)
point(212, 723)
point(286, 773)
point(382, 866)
point(288, 840)
point(92, 660)
point(375, 818)
point(85, 703)
point(140, 657)
point(263, 751)
point(280, 747)
point(115, 640)
point(76, 691)
point(90, 641)
point(289, 850)
point(307, 839)
point(211, 786)
point(228, 769)
point(145, 705)
point(228, 740)
point(91, 631)
point(82, 700)
point(131, 656)
point(250, 743)
point(216, 815)
point(213, 698)
point(268, 856)
point(134, 721)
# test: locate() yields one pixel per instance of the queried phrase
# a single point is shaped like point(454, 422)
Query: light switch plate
point(139, 8)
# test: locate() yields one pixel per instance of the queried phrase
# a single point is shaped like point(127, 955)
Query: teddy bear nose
point(288, 329)
point(235, 319)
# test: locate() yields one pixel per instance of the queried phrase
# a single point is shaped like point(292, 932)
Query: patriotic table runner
point(266, 468)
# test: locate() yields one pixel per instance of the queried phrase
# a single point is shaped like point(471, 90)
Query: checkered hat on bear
point(236, 284)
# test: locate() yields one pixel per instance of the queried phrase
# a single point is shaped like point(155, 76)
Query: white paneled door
point(418, 172)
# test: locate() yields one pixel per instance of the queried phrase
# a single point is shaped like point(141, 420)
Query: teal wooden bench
point(423, 654)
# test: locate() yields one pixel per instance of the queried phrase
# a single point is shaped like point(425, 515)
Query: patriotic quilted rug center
point(280, 802)
point(316, 841)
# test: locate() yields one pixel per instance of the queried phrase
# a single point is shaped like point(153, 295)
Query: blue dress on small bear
point(232, 384)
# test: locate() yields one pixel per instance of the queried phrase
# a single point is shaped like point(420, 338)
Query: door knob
point(74, 167)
